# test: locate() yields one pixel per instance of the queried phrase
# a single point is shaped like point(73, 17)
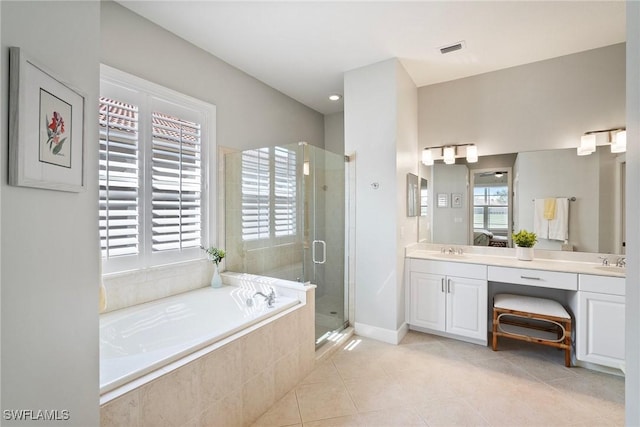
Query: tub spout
point(270, 299)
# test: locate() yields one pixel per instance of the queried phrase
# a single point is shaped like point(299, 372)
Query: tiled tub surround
point(137, 287)
point(230, 382)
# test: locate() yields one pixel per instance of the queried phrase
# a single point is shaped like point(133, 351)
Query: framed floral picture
point(46, 128)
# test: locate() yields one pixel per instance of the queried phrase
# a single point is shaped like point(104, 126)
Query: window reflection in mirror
point(491, 207)
point(424, 197)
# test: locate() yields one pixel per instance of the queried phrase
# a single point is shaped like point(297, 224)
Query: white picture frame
point(46, 128)
point(442, 200)
point(456, 200)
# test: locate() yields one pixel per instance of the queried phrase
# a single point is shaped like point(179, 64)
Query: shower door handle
point(324, 251)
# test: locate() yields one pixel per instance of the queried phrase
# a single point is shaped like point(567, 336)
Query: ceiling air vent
point(452, 47)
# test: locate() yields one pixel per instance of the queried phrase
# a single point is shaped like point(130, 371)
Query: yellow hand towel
point(549, 209)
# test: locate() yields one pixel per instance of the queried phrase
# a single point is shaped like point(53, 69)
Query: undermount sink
point(451, 256)
point(611, 268)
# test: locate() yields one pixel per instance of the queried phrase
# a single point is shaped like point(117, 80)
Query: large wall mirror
point(499, 194)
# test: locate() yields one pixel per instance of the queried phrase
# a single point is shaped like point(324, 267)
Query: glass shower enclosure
point(285, 218)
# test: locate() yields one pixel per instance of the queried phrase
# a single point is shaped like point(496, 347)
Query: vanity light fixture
point(617, 139)
point(448, 153)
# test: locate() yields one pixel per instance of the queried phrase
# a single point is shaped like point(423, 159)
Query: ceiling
point(303, 48)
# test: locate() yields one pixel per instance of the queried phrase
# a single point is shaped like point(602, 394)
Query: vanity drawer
point(602, 284)
point(458, 269)
point(528, 277)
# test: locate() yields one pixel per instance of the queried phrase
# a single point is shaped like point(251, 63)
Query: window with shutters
point(152, 174)
point(269, 190)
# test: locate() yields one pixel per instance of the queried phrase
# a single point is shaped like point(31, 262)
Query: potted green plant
point(215, 256)
point(524, 240)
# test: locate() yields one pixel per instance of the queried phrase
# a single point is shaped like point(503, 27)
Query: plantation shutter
point(255, 190)
point(118, 178)
point(284, 192)
point(176, 179)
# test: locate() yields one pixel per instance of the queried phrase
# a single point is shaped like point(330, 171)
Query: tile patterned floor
point(433, 381)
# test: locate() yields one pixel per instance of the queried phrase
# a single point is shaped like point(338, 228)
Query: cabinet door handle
point(448, 286)
point(530, 278)
point(442, 284)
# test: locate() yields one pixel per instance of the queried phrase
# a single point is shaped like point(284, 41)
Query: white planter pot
point(524, 254)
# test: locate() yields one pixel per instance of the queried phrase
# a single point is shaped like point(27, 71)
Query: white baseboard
point(386, 335)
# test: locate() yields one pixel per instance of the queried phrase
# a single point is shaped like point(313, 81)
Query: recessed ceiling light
point(335, 97)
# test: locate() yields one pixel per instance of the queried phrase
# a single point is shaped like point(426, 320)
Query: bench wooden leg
point(567, 342)
point(494, 343)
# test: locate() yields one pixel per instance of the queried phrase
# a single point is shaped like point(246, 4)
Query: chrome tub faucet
point(270, 298)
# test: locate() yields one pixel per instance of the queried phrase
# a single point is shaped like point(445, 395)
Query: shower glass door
point(323, 189)
point(325, 257)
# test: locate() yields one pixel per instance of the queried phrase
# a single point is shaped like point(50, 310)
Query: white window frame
point(150, 97)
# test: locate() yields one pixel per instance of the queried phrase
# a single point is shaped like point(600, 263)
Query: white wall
point(50, 248)
point(334, 132)
point(250, 114)
point(632, 380)
point(370, 133)
point(379, 115)
point(539, 106)
point(406, 162)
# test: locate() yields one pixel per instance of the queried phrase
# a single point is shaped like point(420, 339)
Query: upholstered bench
point(537, 320)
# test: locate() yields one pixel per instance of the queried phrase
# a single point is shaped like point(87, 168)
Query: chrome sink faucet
point(605, 260)
point(270, 298)
point(621, 262)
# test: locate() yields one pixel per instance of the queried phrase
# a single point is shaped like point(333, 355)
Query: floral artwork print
point(55, 130)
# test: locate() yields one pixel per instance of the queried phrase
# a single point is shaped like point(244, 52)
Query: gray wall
point(334, 132)
point(632, 331)
point(539, 106)
point(50, 248)
point(450, 225)
point(250, 114)
point(559, 173)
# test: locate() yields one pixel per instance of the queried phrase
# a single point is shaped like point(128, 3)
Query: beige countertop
point(538, 263)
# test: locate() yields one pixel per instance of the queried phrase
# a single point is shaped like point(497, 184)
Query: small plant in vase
point(524, 240)
point(215, 255)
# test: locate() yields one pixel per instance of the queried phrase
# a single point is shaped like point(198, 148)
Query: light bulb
point(427, 157)
point(472, 154)
point(449, 154)
point(587, 145)
point(620, 144)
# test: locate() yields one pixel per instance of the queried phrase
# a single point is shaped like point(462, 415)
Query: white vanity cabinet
point(600, 320)
point(448, 297)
